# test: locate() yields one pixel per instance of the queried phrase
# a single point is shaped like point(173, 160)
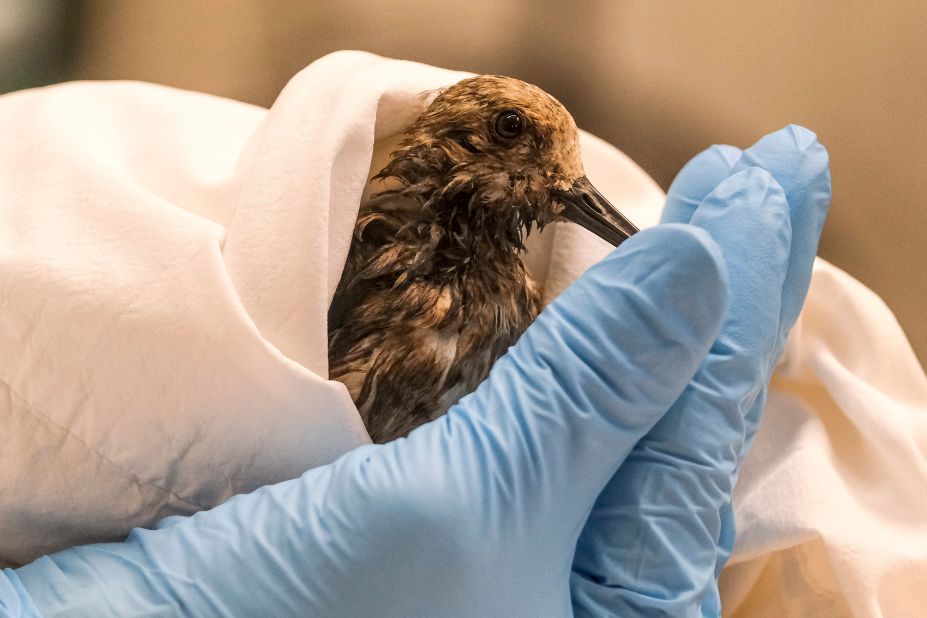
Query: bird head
point(501, 154)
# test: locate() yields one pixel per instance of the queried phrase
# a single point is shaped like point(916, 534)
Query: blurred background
point(659, 79)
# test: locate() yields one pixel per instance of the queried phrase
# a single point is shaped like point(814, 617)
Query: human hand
point(663, 528)
point(476, 513)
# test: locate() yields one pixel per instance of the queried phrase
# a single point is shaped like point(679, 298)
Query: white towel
point(831, 506)
point(166, 263)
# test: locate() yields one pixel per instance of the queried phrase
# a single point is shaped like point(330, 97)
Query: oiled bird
point(434, 289)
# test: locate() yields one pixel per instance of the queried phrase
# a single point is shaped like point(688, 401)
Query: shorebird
point(434, 290)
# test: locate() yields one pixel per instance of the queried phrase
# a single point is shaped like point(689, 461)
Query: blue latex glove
point(663, 528)
point(475, 514)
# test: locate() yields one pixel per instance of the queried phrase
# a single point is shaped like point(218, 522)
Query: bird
point(434, 290)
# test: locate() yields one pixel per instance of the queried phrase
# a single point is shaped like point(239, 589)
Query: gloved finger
point(649, 544)
point(801, 164)
point(446, 521)
point(697, 179)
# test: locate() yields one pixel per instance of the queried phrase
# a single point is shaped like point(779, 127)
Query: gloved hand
point(669, 505)
point(476, 513)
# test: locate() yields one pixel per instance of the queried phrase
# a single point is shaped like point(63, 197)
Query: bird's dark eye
point(509, 124)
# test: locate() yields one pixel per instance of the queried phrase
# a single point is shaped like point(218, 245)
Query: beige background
point(661, 80)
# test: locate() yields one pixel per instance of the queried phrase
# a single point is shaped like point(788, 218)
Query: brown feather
point(434, 290)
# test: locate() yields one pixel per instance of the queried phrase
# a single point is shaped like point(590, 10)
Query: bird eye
point(509, 124)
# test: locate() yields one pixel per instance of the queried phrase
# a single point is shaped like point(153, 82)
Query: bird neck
point(464, 221)
point(449, 223)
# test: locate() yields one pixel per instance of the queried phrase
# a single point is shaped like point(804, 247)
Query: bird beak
point(589, 208)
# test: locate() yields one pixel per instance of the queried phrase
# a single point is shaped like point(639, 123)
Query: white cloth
point(831, 506)
point(166, 263)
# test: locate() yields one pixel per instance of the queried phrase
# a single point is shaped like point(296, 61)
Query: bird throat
point(451, 223)
point(457, 232)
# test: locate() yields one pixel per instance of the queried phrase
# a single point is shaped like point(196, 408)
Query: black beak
point(589, 208)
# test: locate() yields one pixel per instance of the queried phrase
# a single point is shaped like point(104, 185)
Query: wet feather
point(434, 289)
